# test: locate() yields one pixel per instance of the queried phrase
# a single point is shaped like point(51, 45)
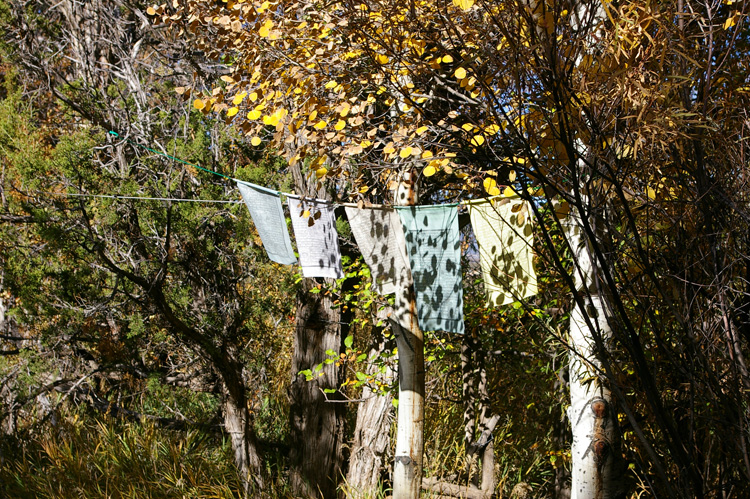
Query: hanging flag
point(268, 216)
point(317, 241)
point(433, 247)
point(380, 237)
point(503, 228)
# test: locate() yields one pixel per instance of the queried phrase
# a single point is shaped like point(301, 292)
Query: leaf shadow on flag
point(434, 251)
point(504, 233)
point(317, 240)
point(380, 238)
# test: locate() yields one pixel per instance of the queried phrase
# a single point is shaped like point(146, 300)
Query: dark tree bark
point(317, 426)
point(238, 424)
point(371, 435)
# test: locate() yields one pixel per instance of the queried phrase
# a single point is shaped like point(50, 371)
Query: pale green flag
point(433, 247)
point(503, 228)
point(268, 215)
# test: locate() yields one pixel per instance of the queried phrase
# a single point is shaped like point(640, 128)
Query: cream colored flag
point(503, 228)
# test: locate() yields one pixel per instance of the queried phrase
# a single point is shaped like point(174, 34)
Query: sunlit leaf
point(477, 140)
point(463, 4)
point(239, 98)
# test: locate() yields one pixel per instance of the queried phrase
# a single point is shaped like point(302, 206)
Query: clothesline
point(415, 246)
point(144, 198)
point(344, 204)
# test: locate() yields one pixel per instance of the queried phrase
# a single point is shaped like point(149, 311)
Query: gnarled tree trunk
point(371, 437)
point(238, 423)
point(317, 426)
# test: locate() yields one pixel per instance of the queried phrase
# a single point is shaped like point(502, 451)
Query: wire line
point(170, 157)
point(144, 198)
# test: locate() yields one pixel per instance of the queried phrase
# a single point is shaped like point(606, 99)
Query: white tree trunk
point(407, 467)
point(590, 412)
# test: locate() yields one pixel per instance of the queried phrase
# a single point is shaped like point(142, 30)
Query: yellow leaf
point(460, 73)
point(447, 59)
point(320, 125)
point(381, 59)
point(651, 193)
point(463, 4)
point(331, 84)
point(321, 172)
point(405, 152)
point(508, 192)
point(492, 129)
point(468, 127)
point(253, 115)
point(477, 140)
point(232, 111)
point(389, 149)
point(253, 97)
point(239, 98)
point(199, 104)
point(265, 30)
point(490, 185)
point(150, 11)
point(340, 124)
point(426, 154)
point(730, 22)
point(421, 130)
point(255, 141)
point(272, 120)
point(429, 171)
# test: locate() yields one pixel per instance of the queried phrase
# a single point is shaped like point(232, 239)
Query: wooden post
point(407, 466)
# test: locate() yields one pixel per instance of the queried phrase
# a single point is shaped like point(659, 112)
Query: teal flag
point(268, 216)
point(433, 246)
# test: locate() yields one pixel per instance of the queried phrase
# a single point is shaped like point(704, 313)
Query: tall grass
point(112, 459)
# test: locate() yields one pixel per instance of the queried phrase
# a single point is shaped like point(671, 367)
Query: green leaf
point(348, 341)
point(361, 376)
